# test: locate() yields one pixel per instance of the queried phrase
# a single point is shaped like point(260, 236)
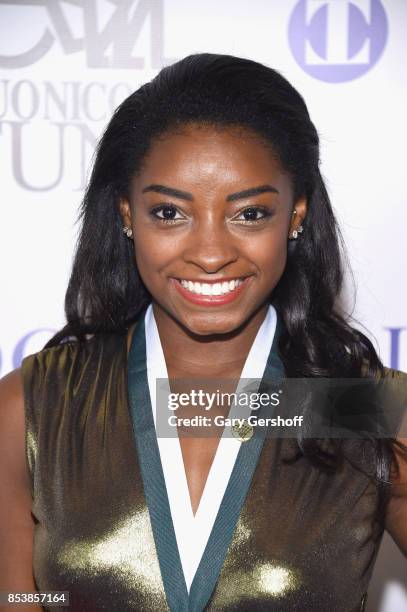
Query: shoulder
point(23, 393)
point(394, 373)
point(396, 515)
point(11, 387)
point(69, 371)
point(13, 472)
point(398, 406)
point(67, 351)
point(43, 371)
point(395, 411)
point(396, 399)
point(398, 380)
point(11, 403)
point(16, 523)
point(73, 354)
point(388, 373)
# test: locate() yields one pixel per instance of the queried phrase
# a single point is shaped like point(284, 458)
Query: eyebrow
point(185, 195)
point(251, 192)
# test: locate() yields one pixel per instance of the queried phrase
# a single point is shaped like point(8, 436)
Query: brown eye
point(168, 213)
point(250, 214)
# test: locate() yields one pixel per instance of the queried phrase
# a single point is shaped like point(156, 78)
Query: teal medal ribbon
point(155, 490)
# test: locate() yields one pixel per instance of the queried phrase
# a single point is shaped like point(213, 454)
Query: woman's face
point(197, 218)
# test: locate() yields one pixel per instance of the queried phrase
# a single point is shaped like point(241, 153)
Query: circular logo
point(337, 41)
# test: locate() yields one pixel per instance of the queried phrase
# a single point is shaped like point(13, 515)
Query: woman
point(209, 249)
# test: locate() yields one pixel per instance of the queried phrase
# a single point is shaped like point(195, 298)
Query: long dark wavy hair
point(105, 292)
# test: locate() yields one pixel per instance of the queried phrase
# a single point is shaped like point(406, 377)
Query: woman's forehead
point(211, 131)
point(209, 169)
point(205, 150)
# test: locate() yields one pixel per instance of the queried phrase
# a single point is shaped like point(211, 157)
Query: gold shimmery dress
point(287, 537)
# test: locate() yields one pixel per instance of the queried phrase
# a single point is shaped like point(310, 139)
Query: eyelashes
point(171, 209)
point(168, 208)
point(254, 210)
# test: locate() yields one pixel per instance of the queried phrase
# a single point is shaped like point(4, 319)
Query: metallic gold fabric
point(305, 540)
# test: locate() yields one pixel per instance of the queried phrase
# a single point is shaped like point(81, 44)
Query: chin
point(206, 324)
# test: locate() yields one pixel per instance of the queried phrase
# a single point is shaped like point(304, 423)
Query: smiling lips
point(211, 293)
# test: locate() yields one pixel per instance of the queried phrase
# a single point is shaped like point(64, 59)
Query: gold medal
point(242, 432)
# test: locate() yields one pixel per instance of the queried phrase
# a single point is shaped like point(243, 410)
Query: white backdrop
point(65, 65)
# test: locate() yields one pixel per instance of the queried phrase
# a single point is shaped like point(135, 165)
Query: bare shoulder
point(12, 432)
point(16, 521)
point(12, 417)
point(12, 428)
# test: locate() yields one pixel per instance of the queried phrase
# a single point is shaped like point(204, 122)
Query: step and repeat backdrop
point(66, 65)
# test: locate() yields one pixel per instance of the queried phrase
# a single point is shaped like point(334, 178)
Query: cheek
point(152, 254)
point(269, 253)
point(147, 255)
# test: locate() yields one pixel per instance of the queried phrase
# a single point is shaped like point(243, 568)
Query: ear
point(298, 214)
point(125, 211)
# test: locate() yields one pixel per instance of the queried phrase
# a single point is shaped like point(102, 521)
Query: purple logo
point(337, 40)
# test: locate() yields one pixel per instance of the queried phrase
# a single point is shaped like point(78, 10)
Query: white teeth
point(211, 288)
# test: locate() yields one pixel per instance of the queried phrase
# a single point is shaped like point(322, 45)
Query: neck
point(216, 353)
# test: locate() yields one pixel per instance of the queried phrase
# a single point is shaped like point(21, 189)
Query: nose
point(210, 247)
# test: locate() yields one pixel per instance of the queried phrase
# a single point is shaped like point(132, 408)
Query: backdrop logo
point(101, 34)
point(337, 40)
point(105, 46)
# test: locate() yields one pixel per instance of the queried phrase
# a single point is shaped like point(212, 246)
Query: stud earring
point(299, 230)
point(128, 231)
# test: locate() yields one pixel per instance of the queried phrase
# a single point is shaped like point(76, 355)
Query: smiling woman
point(208, 244)
point(208, 250)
